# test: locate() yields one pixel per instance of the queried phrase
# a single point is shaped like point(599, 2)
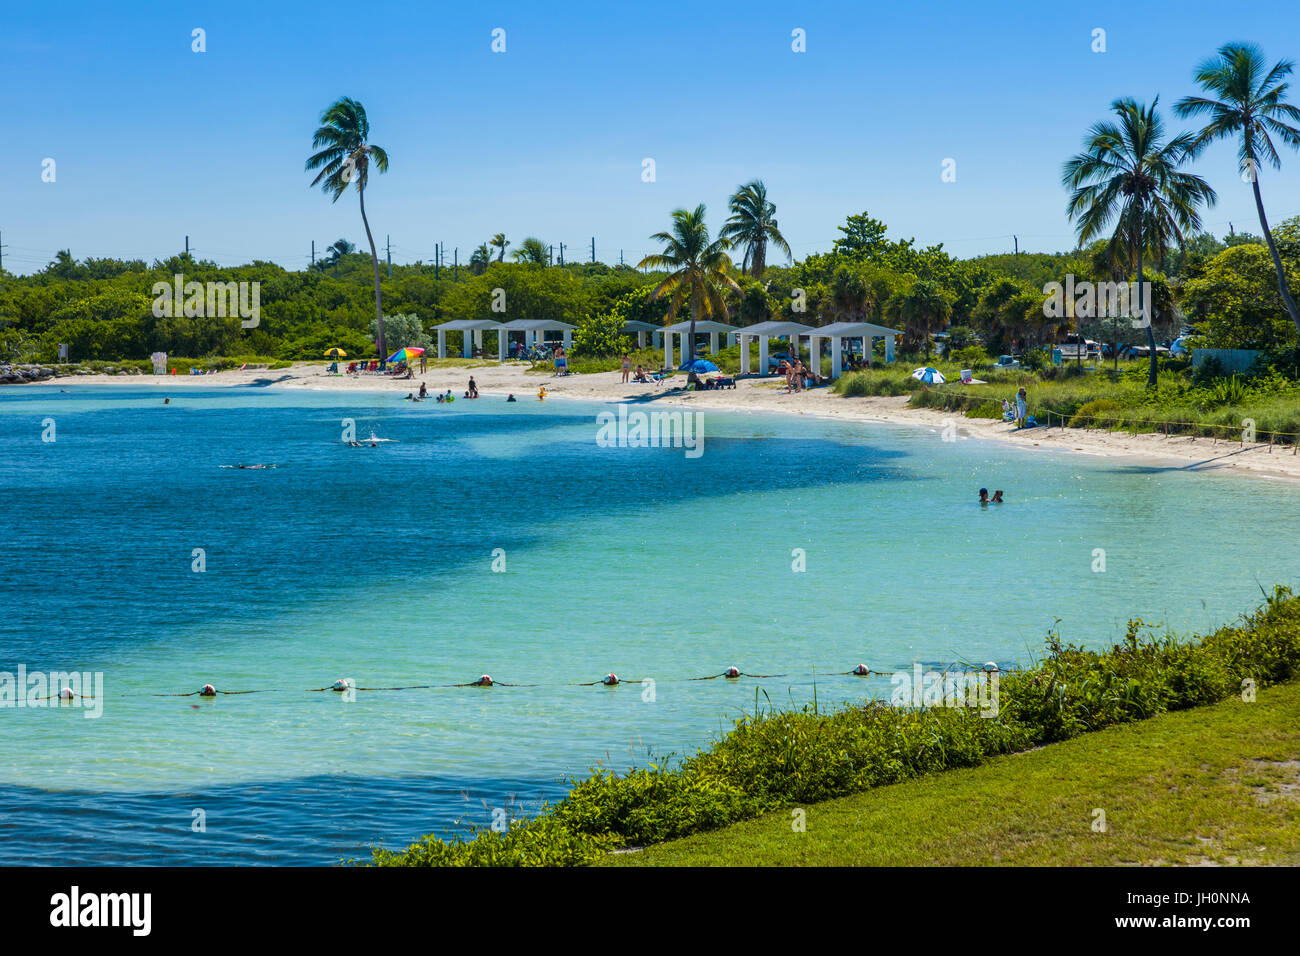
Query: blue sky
point(153, 141)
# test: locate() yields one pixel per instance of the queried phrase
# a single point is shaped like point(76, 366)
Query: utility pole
point(593, 248)
point(1017, 239)
point(187, 247)
point(388, 244)
point(1230, 232)
point(620, 257)
point(2, 254)
point(561, 254)
point(550, 254)
point(455, 258)
point(437, 260)
point(313, 253)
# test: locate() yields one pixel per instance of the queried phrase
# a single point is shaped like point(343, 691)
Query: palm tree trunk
point(759, 264)
point(1151, 335)
point(1277, 260)
point(695, 311)
point(374, 259)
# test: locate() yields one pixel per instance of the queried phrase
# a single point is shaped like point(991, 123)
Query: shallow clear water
point(376, 564)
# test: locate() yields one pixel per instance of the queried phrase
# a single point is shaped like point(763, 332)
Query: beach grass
point(1213, 785)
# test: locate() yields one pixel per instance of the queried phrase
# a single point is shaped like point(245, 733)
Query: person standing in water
point(997, 497)
point(473, 389)
point(984, 496)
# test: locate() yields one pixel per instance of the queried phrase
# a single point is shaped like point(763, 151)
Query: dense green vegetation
point(775, 760)
point(103, 307)
point(1223, 779)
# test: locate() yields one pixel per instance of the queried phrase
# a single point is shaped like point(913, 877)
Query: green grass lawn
point(1210, 785)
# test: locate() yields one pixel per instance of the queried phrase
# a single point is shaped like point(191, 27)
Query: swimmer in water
point(167, 401)
point(984, 496)
point(511, 397)
point(997, 497)
point(541, 394)
point(441, 399)
point(424, 392)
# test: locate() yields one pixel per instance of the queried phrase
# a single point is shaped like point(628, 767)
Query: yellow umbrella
point(336, 353)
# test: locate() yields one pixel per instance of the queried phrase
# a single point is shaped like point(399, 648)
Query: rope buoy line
point(485, 680)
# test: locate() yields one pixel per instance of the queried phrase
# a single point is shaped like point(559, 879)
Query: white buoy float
point(991, 667)
point(609, 680)
point(342, 684)
point(208, 691)
point(66, 694)
point(483, 681)
point(862, 670)
point(731, 672)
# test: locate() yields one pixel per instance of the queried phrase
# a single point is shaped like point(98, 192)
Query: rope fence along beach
point(347, 684)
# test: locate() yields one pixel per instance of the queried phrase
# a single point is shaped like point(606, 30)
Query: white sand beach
point(750, 395)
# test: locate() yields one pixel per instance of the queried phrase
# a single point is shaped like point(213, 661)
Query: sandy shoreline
point(753, 395)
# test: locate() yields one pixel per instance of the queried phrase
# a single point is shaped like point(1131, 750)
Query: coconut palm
point(500, 242)
point(1246, 103)
point(532, 251)
point(1130, 175)
point(344, 155)
point(697, 269)
point(752, 225)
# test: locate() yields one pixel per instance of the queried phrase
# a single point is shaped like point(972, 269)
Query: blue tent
point(699, 366)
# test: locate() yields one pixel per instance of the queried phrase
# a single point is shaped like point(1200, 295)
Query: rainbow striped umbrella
point(405, 355)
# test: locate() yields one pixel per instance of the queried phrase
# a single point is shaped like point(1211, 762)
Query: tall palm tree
point(1129, 174)
point(752, 225)
point(532, 250)
point(1249, 106)
point(343, 155)
point(500, 242)
point(697, 269)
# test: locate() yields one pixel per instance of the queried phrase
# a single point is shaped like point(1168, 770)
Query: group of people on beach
point(797, 375)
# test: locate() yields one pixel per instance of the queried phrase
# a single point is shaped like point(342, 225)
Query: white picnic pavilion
point(642, 329)
point(838, 332)
point(473, 329)
point(535, 333)
point(764, 331)
point(683, 329)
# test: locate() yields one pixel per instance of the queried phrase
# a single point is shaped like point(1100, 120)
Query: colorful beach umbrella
point(335, 353)
point(405, 354)
point(929, 376)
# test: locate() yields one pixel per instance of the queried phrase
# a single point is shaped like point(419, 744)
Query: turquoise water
point(376, 564)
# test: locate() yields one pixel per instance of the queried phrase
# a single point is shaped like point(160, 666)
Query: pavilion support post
point(568, 341)
point(501, 345)
point(762, 355)
point(713, 343)
point(889, 348)
point(815, 354)
point(744, 355)
point(668, 350)
point(442, 344)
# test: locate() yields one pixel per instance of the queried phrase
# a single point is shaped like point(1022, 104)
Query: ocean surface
point(486, 537)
